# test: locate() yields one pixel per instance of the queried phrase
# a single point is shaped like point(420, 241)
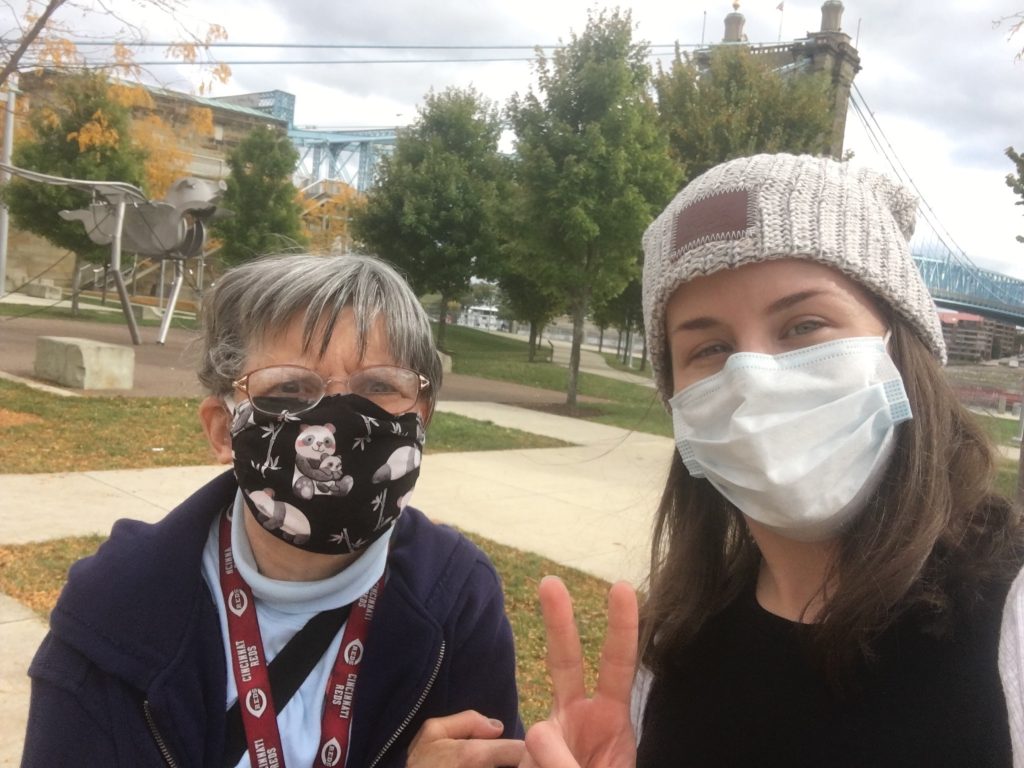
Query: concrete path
point(594, 362)
point(591, 361)
point(588, 506)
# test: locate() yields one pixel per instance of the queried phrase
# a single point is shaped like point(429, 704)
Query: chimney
point(832, 16)
point(734, 25)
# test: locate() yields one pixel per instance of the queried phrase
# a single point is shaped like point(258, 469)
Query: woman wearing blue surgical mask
point(831, 571)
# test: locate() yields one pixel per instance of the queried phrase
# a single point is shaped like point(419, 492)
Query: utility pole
point(5, 158)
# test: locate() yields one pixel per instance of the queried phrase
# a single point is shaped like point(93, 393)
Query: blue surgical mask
point(797, 441)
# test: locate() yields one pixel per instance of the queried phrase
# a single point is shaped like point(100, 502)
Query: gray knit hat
point(783, 206)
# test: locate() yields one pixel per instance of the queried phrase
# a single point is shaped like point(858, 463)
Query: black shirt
point(748, 693)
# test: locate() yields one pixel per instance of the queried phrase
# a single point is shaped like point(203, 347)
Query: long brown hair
point(932, 535)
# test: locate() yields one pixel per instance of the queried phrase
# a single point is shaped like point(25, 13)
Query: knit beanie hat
point(782, 206)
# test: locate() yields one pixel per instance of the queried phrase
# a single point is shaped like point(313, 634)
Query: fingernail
point(496, 723)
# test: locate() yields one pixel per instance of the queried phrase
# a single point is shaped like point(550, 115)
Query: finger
point(618, 654)
point(493, 754)
point(467, 724)
point(565, 655)
point(546, 748)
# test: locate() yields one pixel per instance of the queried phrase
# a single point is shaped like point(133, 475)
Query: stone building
point(827, 50)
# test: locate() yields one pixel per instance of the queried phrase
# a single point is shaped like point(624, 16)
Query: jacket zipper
point(414, 710)
point(160, 743)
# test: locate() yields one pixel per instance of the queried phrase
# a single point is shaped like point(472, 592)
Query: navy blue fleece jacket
point(132, 672)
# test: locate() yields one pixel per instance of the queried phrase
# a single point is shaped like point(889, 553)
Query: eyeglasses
point(292, 389)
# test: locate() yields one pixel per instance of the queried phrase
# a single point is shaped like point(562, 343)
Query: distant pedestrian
point(295, 611)
point(831, 565)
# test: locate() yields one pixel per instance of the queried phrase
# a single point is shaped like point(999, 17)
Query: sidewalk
point(589, 507)
point(591, 361)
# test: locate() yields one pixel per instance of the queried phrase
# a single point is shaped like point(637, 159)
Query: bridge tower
point(828, 50)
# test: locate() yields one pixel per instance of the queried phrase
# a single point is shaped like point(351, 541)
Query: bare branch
point(40, 24)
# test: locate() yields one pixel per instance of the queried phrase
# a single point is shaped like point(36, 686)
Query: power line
point(339, 46)
point(308, 62)
point(877, 135)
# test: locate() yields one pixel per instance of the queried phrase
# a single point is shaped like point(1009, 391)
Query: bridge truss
point(351, 156)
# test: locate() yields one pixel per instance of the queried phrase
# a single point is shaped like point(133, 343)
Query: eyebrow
point(704, 322)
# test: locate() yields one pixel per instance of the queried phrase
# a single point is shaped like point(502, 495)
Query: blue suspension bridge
point(957, 283)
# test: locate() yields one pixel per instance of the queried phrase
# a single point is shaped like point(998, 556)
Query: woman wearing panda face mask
point(831, 569)
point(296, 610)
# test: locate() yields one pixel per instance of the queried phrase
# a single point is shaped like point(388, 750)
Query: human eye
point(284, 388)
point(302, 384)
point(376, 381)
point(804, 327)
point(710, 350)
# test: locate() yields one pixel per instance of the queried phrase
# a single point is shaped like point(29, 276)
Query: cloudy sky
point(940, 78)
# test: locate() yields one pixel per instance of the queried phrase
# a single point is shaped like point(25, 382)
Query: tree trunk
point(442, 322)
point(578, 315)
point(627, 349)
point(76, 285)
point(600, 341)
point(533, 341)
point(643, 358)
point(618, 344)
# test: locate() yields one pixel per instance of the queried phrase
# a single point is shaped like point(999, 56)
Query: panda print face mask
point(331, 480)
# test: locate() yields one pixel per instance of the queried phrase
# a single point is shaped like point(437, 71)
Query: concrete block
point(446, 362)
point(40, 291)
point(147, 312)
point(83, 363)
point(14, 278)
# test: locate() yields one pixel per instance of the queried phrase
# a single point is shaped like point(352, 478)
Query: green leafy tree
point(624, 312)
point(593, 164)
point(433, 207)
point(1016, 181)
point(529, 301)
point(76, 130)
point(736, 106)
point(266, 212)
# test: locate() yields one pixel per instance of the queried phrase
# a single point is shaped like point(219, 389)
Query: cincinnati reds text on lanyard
point(259, 716)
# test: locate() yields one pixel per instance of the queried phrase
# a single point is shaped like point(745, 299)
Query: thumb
point(467, 724)
point(546, 748)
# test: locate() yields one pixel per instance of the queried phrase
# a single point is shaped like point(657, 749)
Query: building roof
point(216, 104)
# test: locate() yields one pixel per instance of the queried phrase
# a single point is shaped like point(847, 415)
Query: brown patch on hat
point(722, 216)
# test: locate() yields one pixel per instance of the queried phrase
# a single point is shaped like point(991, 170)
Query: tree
point(624, 312)
point(1016, 182)
point(81, 132)
point(530, 301)
point(41, 37)
point(736, 106)
point(327, 216)
point(593, 164)
point(261, 197)
point(433, 207)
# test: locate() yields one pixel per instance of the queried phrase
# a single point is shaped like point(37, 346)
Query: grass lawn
point(92, 315)
point(40, 432)
point(34, 574)
point(613, 362)
point(630, 406)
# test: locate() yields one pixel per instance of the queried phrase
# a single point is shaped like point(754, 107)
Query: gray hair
point(257, 301)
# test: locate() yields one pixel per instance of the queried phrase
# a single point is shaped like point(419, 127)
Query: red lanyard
point(259, 716)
